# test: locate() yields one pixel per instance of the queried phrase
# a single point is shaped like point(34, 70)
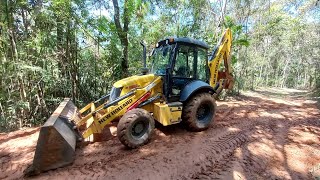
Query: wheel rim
point(204, 113)
point(139, 129)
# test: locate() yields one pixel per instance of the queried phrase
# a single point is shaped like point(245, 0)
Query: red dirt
point(254, 137)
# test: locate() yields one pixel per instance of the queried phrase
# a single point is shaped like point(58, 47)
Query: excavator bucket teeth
point(57, 140)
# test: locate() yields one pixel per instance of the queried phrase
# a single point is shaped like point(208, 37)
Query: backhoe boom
point(222, 79)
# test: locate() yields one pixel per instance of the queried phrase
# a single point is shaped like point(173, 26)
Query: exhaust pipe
point(144, 70)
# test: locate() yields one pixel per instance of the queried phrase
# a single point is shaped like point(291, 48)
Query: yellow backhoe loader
point(179, 87)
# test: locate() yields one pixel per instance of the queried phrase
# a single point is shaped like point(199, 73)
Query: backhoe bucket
point(57, 140)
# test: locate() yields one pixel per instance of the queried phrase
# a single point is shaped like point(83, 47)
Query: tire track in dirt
point(221, 160)
point(217, 161)
point(222, 167)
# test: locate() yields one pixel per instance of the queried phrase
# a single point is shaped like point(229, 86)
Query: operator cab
point(180, 61)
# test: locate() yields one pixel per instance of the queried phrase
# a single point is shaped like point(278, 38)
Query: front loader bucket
point(57, 140)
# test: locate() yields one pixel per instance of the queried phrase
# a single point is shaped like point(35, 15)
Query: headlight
point(114, 93)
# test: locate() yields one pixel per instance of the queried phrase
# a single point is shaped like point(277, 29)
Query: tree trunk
point(11, 30)
point(223, 11)
point(2, 114)
point(60, 50)
point(122, 33)
point(23, 96)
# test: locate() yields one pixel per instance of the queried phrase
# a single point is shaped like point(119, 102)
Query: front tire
point(135, 128)
point(199, 112)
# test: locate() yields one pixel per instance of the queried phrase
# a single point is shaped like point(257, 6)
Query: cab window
point(184, 62)
point(202, 59)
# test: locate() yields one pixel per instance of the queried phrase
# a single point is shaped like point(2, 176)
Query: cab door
point(183, 70)
point(190, 64)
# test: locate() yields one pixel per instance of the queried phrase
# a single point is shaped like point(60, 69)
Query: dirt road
point(269, 134)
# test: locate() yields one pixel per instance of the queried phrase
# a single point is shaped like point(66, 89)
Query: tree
point(122, 31)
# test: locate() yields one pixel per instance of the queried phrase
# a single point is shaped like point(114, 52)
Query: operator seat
point(182, 71)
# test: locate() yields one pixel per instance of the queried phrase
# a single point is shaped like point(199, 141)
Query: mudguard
point(194, 87)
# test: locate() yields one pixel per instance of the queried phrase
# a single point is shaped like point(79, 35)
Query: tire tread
point(189, 111)
point(125, 123)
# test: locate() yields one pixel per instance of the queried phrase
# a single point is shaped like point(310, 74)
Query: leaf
point(241, 42)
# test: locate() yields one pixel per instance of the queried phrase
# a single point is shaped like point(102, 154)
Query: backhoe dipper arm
point(221, 79)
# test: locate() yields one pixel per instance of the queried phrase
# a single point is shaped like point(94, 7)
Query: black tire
point(199, 112)
point(135, 128)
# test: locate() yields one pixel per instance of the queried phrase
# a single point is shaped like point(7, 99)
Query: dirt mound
point(254, 137)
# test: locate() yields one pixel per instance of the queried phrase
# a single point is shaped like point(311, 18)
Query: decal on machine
point(115, 111)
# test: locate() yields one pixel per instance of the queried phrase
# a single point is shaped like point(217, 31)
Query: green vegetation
point(77, 48)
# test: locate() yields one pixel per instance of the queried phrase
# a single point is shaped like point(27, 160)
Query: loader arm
point(97, 118)
point(221, 79)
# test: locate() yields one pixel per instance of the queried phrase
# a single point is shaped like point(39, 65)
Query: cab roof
point(185, 40)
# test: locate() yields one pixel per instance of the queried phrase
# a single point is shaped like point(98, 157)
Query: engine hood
point(133, 82)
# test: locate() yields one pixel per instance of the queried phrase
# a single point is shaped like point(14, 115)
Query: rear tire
point(135, 128)
point(199, 112)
